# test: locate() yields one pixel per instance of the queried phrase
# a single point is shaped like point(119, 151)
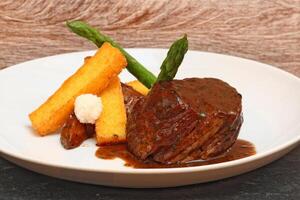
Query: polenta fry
point(139, 87)
point(92, 77)
point(111, 125)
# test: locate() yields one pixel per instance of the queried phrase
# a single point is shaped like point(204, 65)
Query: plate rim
point(129, 170)
point(294, 141)
point(266, 65)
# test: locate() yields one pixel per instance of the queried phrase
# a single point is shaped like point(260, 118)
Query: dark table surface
point(279, 180)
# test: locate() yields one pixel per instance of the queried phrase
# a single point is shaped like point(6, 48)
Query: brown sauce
point(240, 149)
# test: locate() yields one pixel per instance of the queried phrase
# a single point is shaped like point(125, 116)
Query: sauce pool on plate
point(240, 149)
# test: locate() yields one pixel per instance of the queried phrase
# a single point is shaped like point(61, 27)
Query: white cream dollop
point(88, 108)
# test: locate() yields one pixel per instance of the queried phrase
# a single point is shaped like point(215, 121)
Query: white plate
point(271, 106)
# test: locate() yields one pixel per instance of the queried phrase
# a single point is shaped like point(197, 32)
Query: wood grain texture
point(267, 31)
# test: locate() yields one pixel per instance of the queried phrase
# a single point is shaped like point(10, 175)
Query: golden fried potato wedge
point(139, 87)
point(111, 125)
point(92, 77)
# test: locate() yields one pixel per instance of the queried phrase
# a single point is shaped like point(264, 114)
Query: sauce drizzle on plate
point(240, 149)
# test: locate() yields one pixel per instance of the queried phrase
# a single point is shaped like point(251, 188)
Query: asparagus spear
point(173, 60)
point(168, 68)
point(133, 66)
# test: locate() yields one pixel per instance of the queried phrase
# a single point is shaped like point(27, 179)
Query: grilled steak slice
point(74, 133)
point(184, 120)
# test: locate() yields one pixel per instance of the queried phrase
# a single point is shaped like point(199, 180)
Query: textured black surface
point(279, 180)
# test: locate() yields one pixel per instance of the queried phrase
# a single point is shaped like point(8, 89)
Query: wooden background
point(268, 31)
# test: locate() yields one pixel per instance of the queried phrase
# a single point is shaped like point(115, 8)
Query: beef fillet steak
point(185, 120)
